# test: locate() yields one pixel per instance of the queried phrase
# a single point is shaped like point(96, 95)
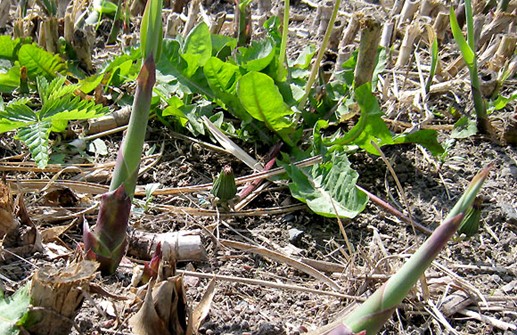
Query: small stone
point(295, 235)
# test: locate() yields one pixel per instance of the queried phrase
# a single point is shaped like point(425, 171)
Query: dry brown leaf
point(53, 233)
point(147, 321)
point(201, 311)
point(164, 310)
point(7, 222)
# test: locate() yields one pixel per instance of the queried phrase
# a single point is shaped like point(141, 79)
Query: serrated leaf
point(329, 189)
point(16, 114)
point(13, 310)
point(40, 62)
point(71, 108)
point(263, 101)
point(35, 136)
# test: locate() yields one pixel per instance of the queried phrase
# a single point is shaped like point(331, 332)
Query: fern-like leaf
point(40, 62)
point(35, 136)
point(16, 114)
point(71, 108)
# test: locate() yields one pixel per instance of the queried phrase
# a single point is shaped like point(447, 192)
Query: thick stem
point(128, 159)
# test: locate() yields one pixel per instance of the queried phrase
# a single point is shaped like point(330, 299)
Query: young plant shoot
point(371, 315)
point(106, 243)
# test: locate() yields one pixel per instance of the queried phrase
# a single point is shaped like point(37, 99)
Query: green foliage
point(464, 127)
point(151, 30)
point(263, 101)
point(14, 311)
point(329, 189)
point(58, 105)
point(17, 54)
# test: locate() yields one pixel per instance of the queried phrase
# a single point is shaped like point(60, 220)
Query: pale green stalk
point(468, 51)
point(316, 66)
point(128, 160)
point(378, 308)
point(281, 73)
point(106, 243)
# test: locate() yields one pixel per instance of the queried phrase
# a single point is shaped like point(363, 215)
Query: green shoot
point(107, 242)
point(378, 308)
point(281, 72)
point(468, 51)
point(316, 66)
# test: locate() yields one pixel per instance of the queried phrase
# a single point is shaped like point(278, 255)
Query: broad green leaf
point(371, 126)
point(221, 75)
point(257, 56)
point(221, 41)
point(35, 136)
point(40, 62)
point(104, 7)
point(431, 35)
point(329, 189)
point(14, 310)
point(151, 30)
point(464, 127)
point(261, 98)
point(303, 61)
point(468, 54)
point(8, 47)
point(197, 48)
point(222, 78)
point(501, 101)
point(171, 63)
point(425, 137)
point(90, 83)
point(10, 80)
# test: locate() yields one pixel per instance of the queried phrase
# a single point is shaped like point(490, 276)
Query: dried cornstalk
point(193, 11)
point(370, 37)
point(337, 31)
point(429, 8)
point(4, 12)
point(408, 11)
point(180, 246)
point(116, 119)
point(351, 30)
point(499, 24)
point(174, 25)
point(57, 296)
point(441, 23)
point(387, 34)
point(323, 15)
point(406, 48)
point(397, 7)
point(504, 51)
point(217, 23)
